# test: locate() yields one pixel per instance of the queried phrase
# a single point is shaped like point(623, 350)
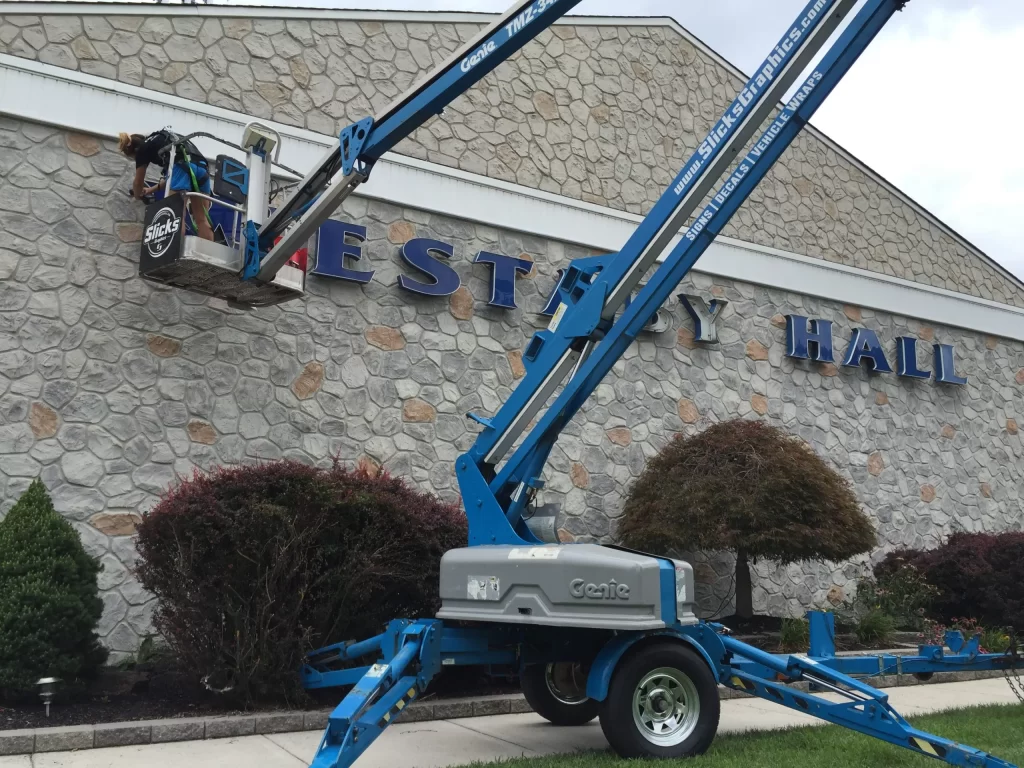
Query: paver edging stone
point(29, 741)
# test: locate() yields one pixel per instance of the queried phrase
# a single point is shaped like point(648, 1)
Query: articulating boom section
point(595, 321)
point(340, 173)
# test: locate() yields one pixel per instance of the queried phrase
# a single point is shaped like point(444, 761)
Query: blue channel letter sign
point(810, 339)
point(338, 249)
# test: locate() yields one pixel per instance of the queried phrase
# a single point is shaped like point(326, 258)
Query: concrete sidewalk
point(457, 742)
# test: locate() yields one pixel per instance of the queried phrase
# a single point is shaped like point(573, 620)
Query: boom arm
point(340, 173)
point(595, 321)
point(585, 339)
point(593, 326)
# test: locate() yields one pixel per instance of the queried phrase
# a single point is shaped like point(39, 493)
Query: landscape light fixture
point(47, 690)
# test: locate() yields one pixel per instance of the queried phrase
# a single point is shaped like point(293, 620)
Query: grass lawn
point(998, 730)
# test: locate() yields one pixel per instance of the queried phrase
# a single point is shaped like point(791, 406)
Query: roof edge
point(40, 93)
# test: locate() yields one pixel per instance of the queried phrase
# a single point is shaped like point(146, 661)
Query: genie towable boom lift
point(595, 631)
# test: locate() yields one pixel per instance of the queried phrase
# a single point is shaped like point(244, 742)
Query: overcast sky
point(932, 105)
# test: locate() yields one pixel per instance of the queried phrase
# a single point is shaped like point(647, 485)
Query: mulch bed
point(119, 695)
point(123, 696)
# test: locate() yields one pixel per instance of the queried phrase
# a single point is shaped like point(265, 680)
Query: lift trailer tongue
point(594, 630)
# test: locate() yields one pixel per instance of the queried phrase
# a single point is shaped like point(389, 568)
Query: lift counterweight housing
point(594, 631)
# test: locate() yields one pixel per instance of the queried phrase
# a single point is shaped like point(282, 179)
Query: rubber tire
point(533, 681)
point(617, 710)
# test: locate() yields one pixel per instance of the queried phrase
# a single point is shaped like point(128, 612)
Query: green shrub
point(901, 593)
point(875, 628)
point(795, 636)
point(254, 566)
point(750, 488)
point(49, 602)
point(995, 640)
point(895, 600)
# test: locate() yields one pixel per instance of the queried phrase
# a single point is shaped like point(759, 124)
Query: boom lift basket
point(211, 268)
point(171, 256)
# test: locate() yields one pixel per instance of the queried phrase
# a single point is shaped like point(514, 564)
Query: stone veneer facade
point(602, 113)
point(110, 387)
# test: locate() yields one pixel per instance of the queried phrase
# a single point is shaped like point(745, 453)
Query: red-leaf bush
point(975, 575)
point(256, 565)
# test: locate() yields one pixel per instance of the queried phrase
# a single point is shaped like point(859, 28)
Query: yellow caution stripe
point(924, 746)
point(400, 705)
point(741, 683)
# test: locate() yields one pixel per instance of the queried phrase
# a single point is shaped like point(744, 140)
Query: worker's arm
point(138, 185)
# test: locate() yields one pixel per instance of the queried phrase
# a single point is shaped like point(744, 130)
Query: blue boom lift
point(594, 631)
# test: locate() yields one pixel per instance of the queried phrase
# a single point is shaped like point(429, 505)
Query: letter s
point(417, 253)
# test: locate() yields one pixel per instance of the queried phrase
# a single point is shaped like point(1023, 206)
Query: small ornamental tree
point(750, 488)
point(49, 601)
point(256, 565)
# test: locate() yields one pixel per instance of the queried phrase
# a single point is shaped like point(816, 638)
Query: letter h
point(809, 339)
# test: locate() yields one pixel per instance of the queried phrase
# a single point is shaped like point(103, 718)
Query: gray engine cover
point(561, 585)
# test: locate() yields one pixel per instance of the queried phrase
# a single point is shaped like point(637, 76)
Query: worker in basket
point(189, 174)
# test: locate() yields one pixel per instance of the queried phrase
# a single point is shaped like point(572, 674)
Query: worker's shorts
point(181, 180)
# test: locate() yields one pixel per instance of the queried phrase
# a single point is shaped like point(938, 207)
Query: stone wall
point(600, 113)
point(111, 386)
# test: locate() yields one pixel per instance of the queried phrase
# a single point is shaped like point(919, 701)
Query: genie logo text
point(482, 53)
point(517, 23)
point(610, 591)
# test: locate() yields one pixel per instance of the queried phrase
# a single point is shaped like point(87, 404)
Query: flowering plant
point(993, 640)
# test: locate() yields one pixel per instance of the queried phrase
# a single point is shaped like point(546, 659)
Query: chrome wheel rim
point(666, 707)
point(563, 680)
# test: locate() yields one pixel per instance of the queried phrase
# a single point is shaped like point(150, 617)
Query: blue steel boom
point(595, 322)
point(589, 339)
point(340, 172)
